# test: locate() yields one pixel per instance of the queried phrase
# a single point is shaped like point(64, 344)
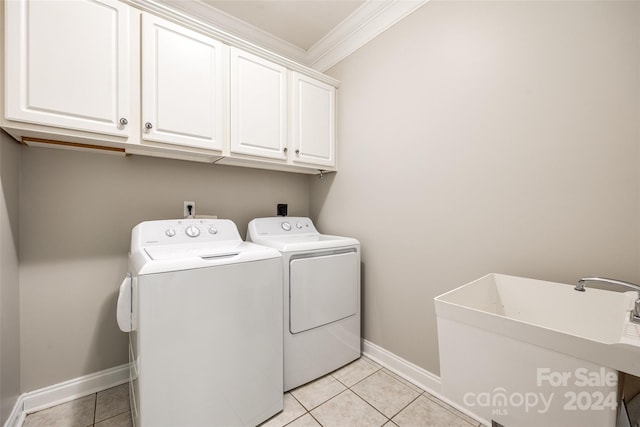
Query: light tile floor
point(361, 394)
point(364, 394)
point(108, 408)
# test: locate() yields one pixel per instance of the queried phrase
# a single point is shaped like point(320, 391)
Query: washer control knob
point(213, 230)
point(298, 225)
point(192, 231)
point(286, 226)
point(170, 232)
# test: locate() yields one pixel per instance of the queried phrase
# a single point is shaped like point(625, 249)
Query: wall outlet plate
point(189, 209)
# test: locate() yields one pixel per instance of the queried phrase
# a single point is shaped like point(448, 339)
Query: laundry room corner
point(9, 276)
point(77, 210)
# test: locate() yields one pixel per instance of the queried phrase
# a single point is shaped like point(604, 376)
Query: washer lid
point(159, 259)
point(182, 244)
point(197, 250)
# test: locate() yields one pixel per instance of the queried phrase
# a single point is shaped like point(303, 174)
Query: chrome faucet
point(635, 313)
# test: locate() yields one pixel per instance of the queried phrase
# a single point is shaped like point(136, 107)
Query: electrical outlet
point(189, 210)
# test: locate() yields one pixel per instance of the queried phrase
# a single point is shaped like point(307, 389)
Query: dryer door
point(323, 289)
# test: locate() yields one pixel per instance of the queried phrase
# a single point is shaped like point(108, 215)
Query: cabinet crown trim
point(184, 16)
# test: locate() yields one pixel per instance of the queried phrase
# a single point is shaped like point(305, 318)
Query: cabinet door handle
point(285, 149)
point(297, 152)
point(124, 121)
point(148, 126)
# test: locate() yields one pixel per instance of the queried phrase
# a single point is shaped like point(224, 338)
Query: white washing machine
point(321, 296)
point(204, 312)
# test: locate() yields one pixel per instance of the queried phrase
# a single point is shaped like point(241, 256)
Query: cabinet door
point(182, 75)
point(313, 115)
point(258, 106)
point(67, 64)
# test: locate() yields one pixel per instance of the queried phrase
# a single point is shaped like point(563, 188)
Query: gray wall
point(9, 276)
point(76, 214)
point(480, 137)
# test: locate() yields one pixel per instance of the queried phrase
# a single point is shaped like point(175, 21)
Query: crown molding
point(364, 24)
point(232, 25)
point(359, 28)
point(167, 9)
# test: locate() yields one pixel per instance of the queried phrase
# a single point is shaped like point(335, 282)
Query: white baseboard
point(66, 391)
point(424, 379)
point(407, 370)
point(17, 415)
point(92, 383)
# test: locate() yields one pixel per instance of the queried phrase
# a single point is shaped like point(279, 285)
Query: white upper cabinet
point(313, 121)
point(182, 85)
point(100, 74)
point(67, 64)
point(258, 106)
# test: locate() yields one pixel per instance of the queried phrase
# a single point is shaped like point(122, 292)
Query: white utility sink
point(592, 325)
point(514, 334)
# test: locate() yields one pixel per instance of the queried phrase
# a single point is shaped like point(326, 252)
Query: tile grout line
point(350, 388)
point(302, 415)
point(358, 396)
point(95, 408)
point(355, 393)
point(431, 398)
point(330, 374)
point(377, 410)
point(401, 409)
point(358, 382)
point(315, 419)
point(319, 404)
point(422, 392)
point(377, 369)
point(116, 415)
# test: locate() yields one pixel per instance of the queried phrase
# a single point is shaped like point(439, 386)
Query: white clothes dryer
point(204, 312)
point(321, 283)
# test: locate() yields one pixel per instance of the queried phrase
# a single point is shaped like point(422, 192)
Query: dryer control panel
point(182, 231)
point(282, 225)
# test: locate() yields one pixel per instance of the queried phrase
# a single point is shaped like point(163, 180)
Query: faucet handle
point(635, 313)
